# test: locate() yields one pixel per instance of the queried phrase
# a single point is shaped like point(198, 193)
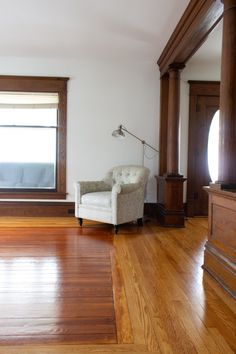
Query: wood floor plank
point(168, 328)
point(56, 326)
point(165, 302)
point(91, 338)
point(55, 287)
point(143, 329)
point(123, 323)
point(75, 349)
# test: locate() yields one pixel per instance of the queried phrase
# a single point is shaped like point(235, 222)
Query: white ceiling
point(113, 29)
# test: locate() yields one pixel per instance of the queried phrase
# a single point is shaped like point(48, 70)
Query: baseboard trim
point(220, 267)
point(53, 208)
point(170, 218)
point(37, 208)
point(150, 210)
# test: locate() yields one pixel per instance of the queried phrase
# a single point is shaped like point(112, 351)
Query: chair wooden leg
point(80, 220)
point(140, 222)
point(116, 228)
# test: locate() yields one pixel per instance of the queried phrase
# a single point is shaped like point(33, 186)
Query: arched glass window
point(213, 147)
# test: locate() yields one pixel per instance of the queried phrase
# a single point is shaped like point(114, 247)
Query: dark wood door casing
point(204, 102)
point(197, 22)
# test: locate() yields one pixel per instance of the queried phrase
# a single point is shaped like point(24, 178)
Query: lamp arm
point(135, 136)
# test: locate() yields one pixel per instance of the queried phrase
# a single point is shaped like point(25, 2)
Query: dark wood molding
point(220, 255)
point(227, 148)
point(202, 96)
point(43, 84)
point(204, 88)
point(173, 120)
point(164, 98)
point(170, 206)
point(21, 194)
point(198, 20)
point(150, 210)
point(33, 83)
point(37, 208)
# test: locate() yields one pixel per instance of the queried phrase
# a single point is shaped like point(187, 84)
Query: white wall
point(102, 95)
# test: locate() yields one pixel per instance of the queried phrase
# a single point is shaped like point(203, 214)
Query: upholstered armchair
point(117, 199)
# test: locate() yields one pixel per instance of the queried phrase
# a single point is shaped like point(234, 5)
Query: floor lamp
point(120, 133)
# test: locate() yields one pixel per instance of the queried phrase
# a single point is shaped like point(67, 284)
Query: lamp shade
point(118, 133)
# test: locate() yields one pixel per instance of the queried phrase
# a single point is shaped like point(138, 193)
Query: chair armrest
point(125, 188)
point(83, 187)
point(127, 202)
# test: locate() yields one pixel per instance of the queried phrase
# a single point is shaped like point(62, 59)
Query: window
point(32, 137)
point(213, 148)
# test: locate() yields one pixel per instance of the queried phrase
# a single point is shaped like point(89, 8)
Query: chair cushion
point(101, 199)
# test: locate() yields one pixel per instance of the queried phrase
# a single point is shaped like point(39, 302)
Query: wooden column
point(170, 184)
point(227, 151)
point(164, 95)
point(173, 120)
point(220, 249)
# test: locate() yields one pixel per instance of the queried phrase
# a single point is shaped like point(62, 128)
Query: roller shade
point(28, 100)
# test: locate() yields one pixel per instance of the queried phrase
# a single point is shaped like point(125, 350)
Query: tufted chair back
point(127, 174)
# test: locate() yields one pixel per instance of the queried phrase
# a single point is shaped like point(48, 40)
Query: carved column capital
point(176, 67)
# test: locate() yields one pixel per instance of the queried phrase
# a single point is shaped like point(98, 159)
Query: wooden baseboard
point(220, 268)
point(220, 254)
point(53, 208)
point(37, 208)
point(150, 210)
point(170, 218)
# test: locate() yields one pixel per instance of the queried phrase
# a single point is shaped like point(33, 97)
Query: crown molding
point(198, 20)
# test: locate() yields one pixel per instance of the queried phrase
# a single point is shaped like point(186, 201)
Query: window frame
point(42, 84)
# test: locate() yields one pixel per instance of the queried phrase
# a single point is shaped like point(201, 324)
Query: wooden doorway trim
point(198, 20)
point(204, 101)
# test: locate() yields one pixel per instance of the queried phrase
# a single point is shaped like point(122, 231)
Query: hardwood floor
point(164, 303)
point(55, 286)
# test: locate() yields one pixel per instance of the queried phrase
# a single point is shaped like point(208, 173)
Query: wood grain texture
point(204, 102)
point(55, 287)
point(123, 323)
point(173, 120)
point(166, 302)
point(164, 99)
point(220, 249)
point(36, 208)
point(170, 201)
point(227, 142)
point(198, 20)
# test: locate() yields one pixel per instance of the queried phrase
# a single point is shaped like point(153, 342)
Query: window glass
point(28, 141)
point(23, 116)
point(213, 148)
point(33, 115)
